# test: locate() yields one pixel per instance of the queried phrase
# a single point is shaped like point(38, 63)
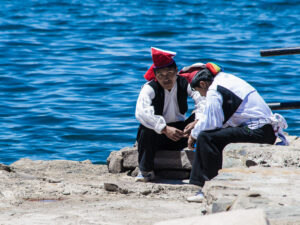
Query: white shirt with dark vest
point(231, 101)
point(145, 112)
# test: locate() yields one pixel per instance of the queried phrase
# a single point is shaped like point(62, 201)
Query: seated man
point(234, 112)
point(161, 108)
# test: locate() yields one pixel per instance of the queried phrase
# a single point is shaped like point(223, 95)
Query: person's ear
point(202, 84)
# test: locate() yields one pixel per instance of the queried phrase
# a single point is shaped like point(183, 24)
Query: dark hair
point(171, 66)
point(202, 75)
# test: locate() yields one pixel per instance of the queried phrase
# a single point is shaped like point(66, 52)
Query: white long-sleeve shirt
point(145, 111)
point(253, 112)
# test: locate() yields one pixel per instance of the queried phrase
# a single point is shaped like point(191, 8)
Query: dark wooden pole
point(284, 105)
point(276, 52)
point(280, 51)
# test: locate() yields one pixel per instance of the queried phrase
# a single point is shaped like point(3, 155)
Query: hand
point(187, 130)
point(191, 142)
point(173, 133)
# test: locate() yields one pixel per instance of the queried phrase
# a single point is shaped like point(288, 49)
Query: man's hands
point(191, 143)
point(173, 133)
point(176, 134)
point(187, 130)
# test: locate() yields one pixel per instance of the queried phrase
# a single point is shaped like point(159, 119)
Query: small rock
point(157, 189)
point(87, 161)
point(262, 162)
point(146, 192)
point(111, 187)
point(123, 191)
point(134, 172)
point(250, 163)
point(84, 192)
point(6, 168)
point(254, 195)
point(66, 193)
point(53, 181)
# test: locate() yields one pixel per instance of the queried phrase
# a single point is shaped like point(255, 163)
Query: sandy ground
point(67, 192)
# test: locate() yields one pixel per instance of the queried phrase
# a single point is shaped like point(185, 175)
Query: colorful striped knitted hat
point(213, 68)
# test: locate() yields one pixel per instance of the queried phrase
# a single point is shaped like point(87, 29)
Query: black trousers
point(149, 142)
point(210, 144)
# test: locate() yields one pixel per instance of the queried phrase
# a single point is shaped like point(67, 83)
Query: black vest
point(159, 99)
point(231, 102)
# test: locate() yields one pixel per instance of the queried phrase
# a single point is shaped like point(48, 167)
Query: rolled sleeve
point(213, 115)
point(144, 111)
point(199, 102)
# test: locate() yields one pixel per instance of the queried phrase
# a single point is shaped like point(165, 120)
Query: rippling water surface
point(71, 70)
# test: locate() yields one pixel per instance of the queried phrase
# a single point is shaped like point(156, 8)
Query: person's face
point(166, 77)
point(203, 88)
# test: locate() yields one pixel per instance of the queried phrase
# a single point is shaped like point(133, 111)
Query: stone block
point(170, 160)
point(173, 174)
point(237, 217)
point(174, 160)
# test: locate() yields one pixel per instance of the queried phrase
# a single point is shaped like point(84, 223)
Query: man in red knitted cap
point(234, 112)
point(161, 109)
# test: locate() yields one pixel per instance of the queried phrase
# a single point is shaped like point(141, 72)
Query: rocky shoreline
point(67, 192)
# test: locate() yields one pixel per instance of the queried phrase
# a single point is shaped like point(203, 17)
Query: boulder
point(130, 158)
point(115, 162)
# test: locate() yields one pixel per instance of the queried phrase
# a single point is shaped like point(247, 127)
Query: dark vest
point(231, 102)
point(159, 99)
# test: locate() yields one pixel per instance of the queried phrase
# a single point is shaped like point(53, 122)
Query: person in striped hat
point(234, 112)
point(161, 110)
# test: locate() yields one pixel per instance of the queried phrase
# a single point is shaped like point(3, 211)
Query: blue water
point(71, 70)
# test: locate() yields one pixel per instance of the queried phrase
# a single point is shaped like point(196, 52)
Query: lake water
point(71, 71)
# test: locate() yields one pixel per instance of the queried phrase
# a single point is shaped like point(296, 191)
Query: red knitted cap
point(161, 58)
